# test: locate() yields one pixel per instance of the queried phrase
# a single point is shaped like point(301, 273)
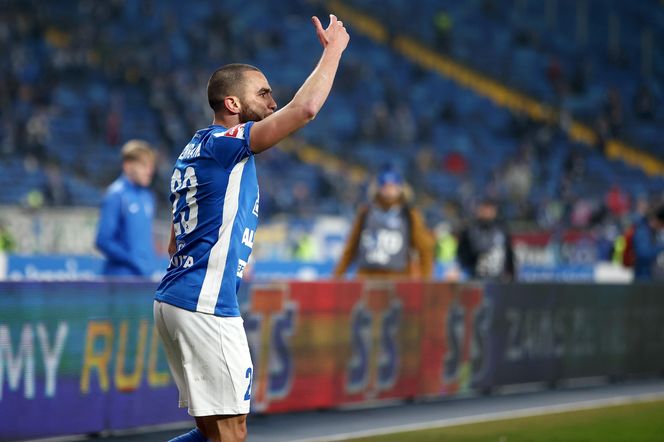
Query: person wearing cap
point(485, 250)
point(648, 248)
point(124, 232)
point(389, 238)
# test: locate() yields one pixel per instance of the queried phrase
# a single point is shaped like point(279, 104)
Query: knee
point(241, 430)
point(241, 434)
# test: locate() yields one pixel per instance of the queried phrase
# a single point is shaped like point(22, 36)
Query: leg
point(195, 435)
point(216, 368)
point(224, 428)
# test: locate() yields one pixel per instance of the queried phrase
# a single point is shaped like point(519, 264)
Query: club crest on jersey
point(235, 132)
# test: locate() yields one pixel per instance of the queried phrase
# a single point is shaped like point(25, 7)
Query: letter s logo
point(358, 368)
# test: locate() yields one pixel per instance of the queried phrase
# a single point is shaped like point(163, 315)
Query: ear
point(232, 103)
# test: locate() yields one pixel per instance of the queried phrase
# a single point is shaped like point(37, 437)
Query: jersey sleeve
point(231, 146)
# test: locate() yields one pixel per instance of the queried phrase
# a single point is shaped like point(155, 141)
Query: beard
point(247, 114)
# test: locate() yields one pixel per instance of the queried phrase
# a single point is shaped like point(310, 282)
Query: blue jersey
point(214, 192)
point(124, 234)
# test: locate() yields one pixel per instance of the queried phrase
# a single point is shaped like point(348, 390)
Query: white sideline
point(496, 416)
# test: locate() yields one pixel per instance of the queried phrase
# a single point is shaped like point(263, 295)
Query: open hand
point(335, 35)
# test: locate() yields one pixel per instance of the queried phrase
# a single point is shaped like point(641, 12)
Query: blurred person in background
point(124, 233)
point(648, 246)
point(623, 246)
point(485, 246)
point(7, 243)
point(389, 237)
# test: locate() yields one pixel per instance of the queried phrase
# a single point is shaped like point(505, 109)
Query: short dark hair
point(225, 81)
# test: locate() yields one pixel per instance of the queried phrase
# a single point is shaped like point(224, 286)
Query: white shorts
point(209, 358)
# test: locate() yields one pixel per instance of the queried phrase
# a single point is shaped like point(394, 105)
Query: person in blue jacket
point(124, 232)
point(646, 245)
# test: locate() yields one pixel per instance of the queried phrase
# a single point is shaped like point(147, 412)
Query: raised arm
point(312, 94)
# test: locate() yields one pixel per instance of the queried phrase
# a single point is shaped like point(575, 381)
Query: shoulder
point(223, 135)
point(364, 210)
point(229, 146)
point(414, 212)
point(642, 227)
point(116, 188)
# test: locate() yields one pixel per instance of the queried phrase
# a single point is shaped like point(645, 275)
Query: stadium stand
point(72, 101)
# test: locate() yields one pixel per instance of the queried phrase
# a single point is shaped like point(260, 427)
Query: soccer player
point(215, 199)
point(124, 233)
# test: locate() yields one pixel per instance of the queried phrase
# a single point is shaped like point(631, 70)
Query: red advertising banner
point(325, 344)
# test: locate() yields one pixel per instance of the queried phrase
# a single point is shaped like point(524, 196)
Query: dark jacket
point(485, 252)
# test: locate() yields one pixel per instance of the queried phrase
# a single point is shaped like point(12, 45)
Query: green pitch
point(625, 423)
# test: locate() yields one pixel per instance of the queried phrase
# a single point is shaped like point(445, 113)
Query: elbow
point(309, 112)
point(101, 243)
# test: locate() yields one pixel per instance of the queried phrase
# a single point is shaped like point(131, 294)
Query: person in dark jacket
point(647, 249)
point(485, 246)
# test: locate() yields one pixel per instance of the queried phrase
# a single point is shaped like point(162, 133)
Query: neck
point(227, 120)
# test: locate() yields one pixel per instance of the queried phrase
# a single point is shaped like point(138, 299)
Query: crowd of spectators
point(81, 77)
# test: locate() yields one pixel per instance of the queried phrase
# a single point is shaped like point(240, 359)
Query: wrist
point(333, 50)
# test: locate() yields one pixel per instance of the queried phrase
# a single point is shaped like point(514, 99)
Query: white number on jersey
point(190, 182)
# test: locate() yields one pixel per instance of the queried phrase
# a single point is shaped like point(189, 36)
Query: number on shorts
point(247, 395)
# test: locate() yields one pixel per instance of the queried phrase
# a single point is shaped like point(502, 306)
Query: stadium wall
point(82, 357)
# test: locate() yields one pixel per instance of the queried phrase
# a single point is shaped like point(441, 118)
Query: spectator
point(443, 25)
point(613, 111)
point(647, 248)
point(446, 244)
point(125, 223)
point(644, 103)
point(56, 191)
point(455, 163)
point(617, 201)
point(485, 246)
point(389, 237)
point(7, 243)
point(518, 179)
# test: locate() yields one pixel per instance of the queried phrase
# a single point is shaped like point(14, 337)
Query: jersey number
point(187, 221)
